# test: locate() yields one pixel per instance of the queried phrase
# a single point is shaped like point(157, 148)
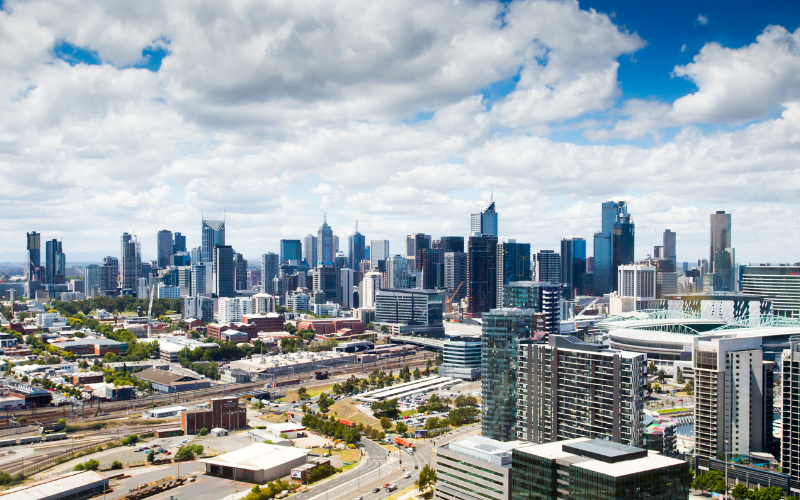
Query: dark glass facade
point(534, 477)
point(408, 306)
point(482, 274)
point(291, 250)
point(573, 265)
point(503, 330)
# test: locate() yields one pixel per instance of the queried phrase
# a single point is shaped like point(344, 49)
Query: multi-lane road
point(382, 468)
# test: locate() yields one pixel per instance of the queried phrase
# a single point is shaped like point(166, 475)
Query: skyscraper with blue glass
point(573, 265)
point(613, 245)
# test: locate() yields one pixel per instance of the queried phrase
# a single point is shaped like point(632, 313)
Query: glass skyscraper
point(356, 250)
point(325, 249)
point(213, 234)
point(291, 250)
point(613, 245)
point(503, 331)
point(573, 265)
point(484, 223)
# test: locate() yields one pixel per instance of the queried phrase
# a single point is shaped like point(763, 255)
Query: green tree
point(426, 479)
point(656, 388)
point(387, 408)
point(92, 464)
point(116, 465)
point(417, 374)
point(386, 423)
point(401, 428)
point(302, 394)
point(652, 369)
point(325, 402)
point(740, 492)
point(689, 387)
point(662, 376)
point(771, 493)
point(679, 375)
point(79, 467)
point(151, 455)
point(712, 481)
point(130, 440)
point(202, 432)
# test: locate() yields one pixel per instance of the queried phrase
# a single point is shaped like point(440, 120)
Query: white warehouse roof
point(257, 456)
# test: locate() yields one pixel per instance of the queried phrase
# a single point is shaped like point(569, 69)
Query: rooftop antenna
point(356, 224)
point(325, 217)
point(492, 198)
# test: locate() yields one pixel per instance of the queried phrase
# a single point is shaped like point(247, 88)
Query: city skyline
point(153, 134)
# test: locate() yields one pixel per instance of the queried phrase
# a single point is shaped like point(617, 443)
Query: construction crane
point(450, 299)
point(150, 309)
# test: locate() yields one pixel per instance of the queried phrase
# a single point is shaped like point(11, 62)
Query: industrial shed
point(257, 463)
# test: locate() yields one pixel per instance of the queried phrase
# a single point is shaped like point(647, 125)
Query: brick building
point(90, 347)
point(331, 325)
point(87, 378)
point(224, 412)
point(270, 322)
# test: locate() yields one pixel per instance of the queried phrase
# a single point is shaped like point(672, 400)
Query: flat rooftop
point(56, 486)
point(257, 456)
point(485, 449)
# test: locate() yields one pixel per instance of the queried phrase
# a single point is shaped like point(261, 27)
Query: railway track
point(114, 409)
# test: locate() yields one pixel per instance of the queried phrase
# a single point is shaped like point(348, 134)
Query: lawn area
point(408, 413)
point(345, 409)
point(671, 410)
point(347, 455)
point(312, 392)
point(390, 448)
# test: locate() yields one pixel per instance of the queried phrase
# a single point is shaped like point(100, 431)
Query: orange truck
point(405, 443)
point(346, 422)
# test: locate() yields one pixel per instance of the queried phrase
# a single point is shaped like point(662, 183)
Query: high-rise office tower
point(733, 397)
point(164, 250)
point(178, 243)
point(239, 272)
point(108, 276)
point(196, 255)
point(202, 278)
point(310, 254)
point(224, 285)
point(414, 243)
point(347, 288)
point(328, 281)
point(637, 281)
point(325, 250)
point(378, 251)
point(540, 296)
point(55, 263)
point(130, 263)
point(547, 264)
point(452, 243)
point(432, 268)
point(335, 244)
point(484, 223)
point(720, 234)
point(570, 389)
point(372, 282)
point(270, 269)
point(622, 246)
point(481, 274)
point(397, 272)
point(356, 249)
point(722, 259)
point(213, 235)
point(91, 280)
point(455, 274)
point(573, 265)
point(502, 333)
point(669, 244)
point(291, 250)
point(605, 269)
point(34, 247)
point(513, 264)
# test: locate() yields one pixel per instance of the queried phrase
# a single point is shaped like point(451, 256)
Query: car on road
point(407, 475)
point(385, 485)
point(376, 490)
point(359, 497)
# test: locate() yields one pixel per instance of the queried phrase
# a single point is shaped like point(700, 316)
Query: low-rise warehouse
point(169, 348)
point(170, 411)
point(170, 382)
point(73, 485)
point(257, 463)
point(261, 435)
point(297, 362)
